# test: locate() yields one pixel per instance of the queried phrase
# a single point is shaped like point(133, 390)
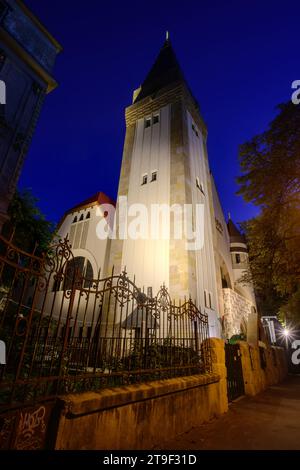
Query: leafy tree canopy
point(270, 162)
point(270, 178)
point(29, 225)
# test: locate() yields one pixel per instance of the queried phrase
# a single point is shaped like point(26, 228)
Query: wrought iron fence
point(67, 332)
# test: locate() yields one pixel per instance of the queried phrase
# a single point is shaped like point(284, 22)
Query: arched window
point(74, 265)
point(81, 217)
point(79, 265)
point(226, 283)
point(74, 220)
point(88, 215)
point(243, 327)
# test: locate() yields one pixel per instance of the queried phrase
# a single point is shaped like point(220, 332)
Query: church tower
point(165, 162)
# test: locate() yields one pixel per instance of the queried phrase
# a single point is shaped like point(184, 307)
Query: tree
point(270, 179)
point(270, 162)
point(29, 225)
point(289, 311)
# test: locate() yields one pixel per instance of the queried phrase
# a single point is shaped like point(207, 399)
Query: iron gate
point(235, 380)
point(63, 330)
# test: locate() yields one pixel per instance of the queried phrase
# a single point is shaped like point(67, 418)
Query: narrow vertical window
point(155, 118)
point(154, 176)
point(195, 130)
point(199, 185)
point(209, 298)
point(147, 122)
point(237, 258)
point(205, 299)
point(144, 179)
point(89, 332)
point(63, 331)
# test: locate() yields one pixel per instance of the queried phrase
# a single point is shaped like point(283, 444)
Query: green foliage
point(290, 311)
point(29, 224)
point(152, 356)
point(270, 165)
point(270, 162)
point(235, 338)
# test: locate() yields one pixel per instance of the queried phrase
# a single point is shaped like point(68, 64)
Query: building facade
point(90, 255)
point(166, 137)
point(165, 164)
point(79, 225)
point(27, 57)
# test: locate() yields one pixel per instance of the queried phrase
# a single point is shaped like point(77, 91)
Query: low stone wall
point(217, 350)
point(256, 378)
point(142, 416)
point(138, 416)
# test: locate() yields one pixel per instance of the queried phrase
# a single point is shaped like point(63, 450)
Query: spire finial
point(167, 36)
point(229, 216)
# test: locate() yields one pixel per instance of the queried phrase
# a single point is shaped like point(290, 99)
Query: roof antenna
point(167, 36)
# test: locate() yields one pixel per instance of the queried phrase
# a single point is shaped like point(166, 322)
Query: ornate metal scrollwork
point(67, 331)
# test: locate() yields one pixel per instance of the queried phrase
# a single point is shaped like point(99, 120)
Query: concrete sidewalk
point(271, 420)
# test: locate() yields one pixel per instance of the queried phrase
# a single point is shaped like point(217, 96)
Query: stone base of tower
point(239, 314)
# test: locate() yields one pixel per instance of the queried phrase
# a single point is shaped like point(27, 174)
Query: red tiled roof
point(98, 198)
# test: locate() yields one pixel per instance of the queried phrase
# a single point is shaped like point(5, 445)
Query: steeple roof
point(165, 70)
point(235, 235)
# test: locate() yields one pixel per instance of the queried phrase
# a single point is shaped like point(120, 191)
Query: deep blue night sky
point(239, 58)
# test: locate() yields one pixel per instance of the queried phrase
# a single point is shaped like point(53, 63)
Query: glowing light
point(286, 332)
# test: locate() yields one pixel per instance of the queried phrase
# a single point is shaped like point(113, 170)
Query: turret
point(239, 259)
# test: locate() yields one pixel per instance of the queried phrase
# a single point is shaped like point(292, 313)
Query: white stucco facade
point(90, 254)
point(237, 303)
point(148, 259)
point(80, 227)
point(165, 163)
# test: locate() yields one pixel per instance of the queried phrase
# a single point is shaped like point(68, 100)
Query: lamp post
point(286, 334)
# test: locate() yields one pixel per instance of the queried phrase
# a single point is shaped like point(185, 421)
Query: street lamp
point(287, 334)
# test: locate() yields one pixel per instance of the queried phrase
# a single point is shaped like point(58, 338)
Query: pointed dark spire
point(164, 71)
point(235, 235)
